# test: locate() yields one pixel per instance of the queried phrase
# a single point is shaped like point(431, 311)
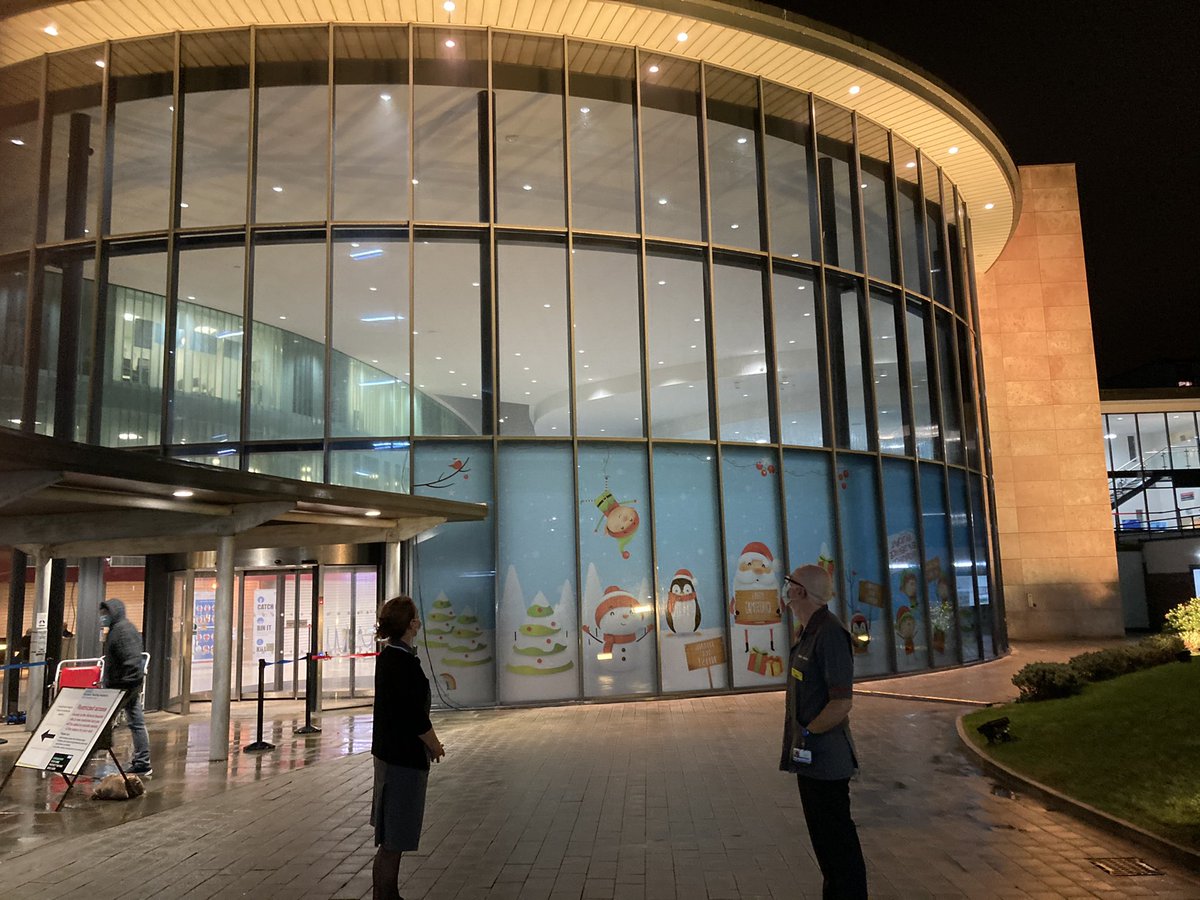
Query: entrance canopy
point(60, 499)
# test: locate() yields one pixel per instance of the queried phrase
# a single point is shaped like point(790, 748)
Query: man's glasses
point(790, 580)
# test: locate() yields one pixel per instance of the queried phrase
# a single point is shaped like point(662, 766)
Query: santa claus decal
point(755, 601)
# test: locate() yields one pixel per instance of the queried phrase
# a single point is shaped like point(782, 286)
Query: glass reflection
point(66, 343)
point(671, 147)
point(732, 101)
point(839, 210)
point(13, 291)
point(741, 358)
point(677, 344)
point(925, 425)
point(73, 105)
point(912, 219)
point(602, 129)
point(798, 353)
point(843, 304)
point(949, 390)
point(143, 127)
point(879, 212)
point(607, 332)
point(20, 88)
point(889, 384)
point(791, 177)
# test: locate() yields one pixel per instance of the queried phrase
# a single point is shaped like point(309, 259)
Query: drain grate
point(1125, 866)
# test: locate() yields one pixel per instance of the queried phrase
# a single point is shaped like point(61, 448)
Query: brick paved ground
point(669, 799)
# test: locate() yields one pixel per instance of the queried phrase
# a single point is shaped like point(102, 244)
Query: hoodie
point(122, 650)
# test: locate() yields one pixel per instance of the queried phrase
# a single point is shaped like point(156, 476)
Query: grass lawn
point(1129, 746)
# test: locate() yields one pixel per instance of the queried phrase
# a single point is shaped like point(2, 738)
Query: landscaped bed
point(1129, 746)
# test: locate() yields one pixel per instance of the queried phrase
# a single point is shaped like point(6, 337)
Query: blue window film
point(909, 613)
point(861, 583)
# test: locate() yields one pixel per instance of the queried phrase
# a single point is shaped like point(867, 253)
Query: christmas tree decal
point(439, 624)
point(466, 648)
point(538, 646)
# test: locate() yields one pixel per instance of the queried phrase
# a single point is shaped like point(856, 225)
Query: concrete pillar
point(35, 686)
point(218, 744)
point(87, 614)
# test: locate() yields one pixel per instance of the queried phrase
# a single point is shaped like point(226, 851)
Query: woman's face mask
point(105, 620)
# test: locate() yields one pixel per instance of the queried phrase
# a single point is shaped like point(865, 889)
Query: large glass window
point(889, 373)
point(939, 278)
point(143, 124)
point(527, 84)
point(791, 176)
point(671, 147)
point(949, 390)
point(839, 193)
point(1152, 433)
point(456, 576)
point(912, 219)
point(798, 352)
point(1122, 441)
point(879, 211)
point(292, 117)
point(1184, 450)
point(608, 345)
point(537, 630)
point(76, 141)
point(733, 157)
point(617, 609)
point(375, 465)
point(843, 303)
point(861, 579)
point(370, 372)
point(216, 127)
point(131, 371)
point(532, 308)
point(741, 353)
point(20, 86)
point(449, 104)
point(925, 423)
point(754, 566)
point(966, 374)
point(451, 316)
point(287, 350)
point(956, 247)
point(299, 465)
point(678, 346)
point(808, 486)
point(980, 615)
point(691, 602)
point(960, 585)
point(938, 581)
point(13, 293)
point(67, 341)
point(209, 337)
point(909, 613)
point(602, 130)
point(370, 125)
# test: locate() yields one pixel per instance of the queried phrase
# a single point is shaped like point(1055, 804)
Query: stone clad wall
point(1057, 550)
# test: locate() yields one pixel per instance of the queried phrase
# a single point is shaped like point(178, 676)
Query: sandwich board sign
point(67, 734)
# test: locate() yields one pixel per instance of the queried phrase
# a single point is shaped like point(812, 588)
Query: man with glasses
point(816, 734)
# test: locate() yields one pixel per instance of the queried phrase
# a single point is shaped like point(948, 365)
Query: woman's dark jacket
point(402, 702)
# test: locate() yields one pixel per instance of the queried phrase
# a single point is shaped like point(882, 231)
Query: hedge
point(1047, 681)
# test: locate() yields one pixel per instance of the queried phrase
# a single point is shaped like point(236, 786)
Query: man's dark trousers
point(834, 837)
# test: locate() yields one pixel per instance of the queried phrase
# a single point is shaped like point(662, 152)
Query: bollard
point(309, 680)
point(260, 745)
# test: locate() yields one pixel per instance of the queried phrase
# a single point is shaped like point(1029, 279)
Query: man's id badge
point(801, 756)
point(797, 674)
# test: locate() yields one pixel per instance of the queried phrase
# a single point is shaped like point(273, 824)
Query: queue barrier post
point(310, 679)
point(260, 745)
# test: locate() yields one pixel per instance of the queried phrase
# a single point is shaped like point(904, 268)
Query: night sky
point(1110, 86)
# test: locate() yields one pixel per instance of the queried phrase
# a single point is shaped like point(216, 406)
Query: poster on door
point(264, 624)
point(204, 632)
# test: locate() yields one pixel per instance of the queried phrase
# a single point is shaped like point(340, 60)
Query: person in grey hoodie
point(123, 670)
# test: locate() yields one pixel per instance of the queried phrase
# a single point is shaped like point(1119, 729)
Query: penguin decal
point(683, 608)
point(860, 631)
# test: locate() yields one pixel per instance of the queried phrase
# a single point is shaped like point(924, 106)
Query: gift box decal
point(762, 663)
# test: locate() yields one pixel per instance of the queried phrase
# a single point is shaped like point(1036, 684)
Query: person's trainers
point(140, 770)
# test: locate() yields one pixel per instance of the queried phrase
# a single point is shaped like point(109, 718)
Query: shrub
point(1184, 620)
point(1100, 665)
point(1158, 649)
point(1047, 681)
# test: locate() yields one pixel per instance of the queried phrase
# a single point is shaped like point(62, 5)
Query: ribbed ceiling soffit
point(746, 39)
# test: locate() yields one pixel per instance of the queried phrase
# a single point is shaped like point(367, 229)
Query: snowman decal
point(620, 623)
point(683, 609)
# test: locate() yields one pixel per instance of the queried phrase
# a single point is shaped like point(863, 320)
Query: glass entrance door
point(277, 610)
point(179, 646)
point(350, 596)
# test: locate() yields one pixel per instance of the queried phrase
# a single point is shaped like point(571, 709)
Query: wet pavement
point(666, 799)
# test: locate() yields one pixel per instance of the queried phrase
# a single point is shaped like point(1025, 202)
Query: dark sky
point(1110, 86)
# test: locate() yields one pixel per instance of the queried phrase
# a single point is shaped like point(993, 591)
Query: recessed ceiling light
point(795, 256)
point(681, 37)
point(863, 186)
point(385, 97)
point(129, 436)
point(989, 206)
point(653, 70)
point(354, 243)
point(742, 140)
point(100, 63)
point(474, 284)
point(854, 89)
point(662, 201)
point(18, 142)
point(371, 513)
point(585, 109)
point(448, 6)
point(545, 305)
point(662, 282)
point(952, 150)
point(183, 205)
point(449, 43)
point(284, 318)
point(911, 164)
point(527, 187)
point(735, 225)
point(183, 493)
point(278, 189)
point(695, 320)
point(191, 296)
point(51, 30)
point(416, 181)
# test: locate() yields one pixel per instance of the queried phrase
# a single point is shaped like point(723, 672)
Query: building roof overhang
point(749, 37)
point(59, 499)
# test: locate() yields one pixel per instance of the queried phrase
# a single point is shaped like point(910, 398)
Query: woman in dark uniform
point(403, 742)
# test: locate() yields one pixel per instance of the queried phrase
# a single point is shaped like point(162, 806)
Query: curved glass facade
point(681, 328)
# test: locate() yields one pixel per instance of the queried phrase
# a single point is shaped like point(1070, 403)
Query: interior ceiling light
point(910, 165)
point(989, 206)
point(854, 89)
point(51, 30)
point(662, 201)
point(18, 142)
point(681, 37)
point(371, 513)
point(183, 205)
point(450, 43)
point(448, 6)
point(654, 70)
point(385, 97)
point(182, 493)
point(527, 187)
point(278, 189)
point(100, 63)
point(585, 109)
point(742, 140)
point(952, 150)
